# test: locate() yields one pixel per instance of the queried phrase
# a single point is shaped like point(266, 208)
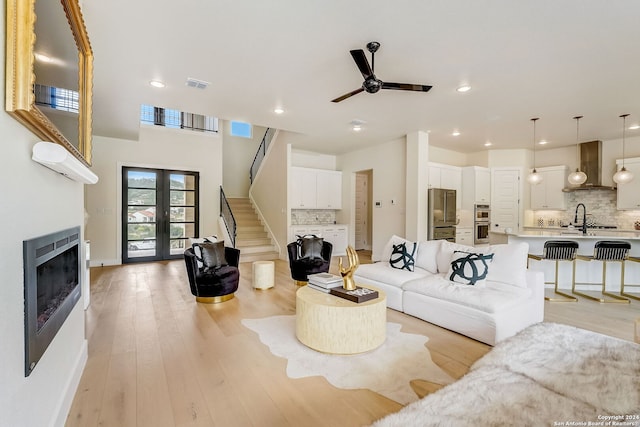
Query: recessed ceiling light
point(464, 88)
point(634, 127)
point(278, 110)
point(356, 128)
point(543, 142)
point(43, 58)
point(157, 83)
point(488, 144)
point(456, 133)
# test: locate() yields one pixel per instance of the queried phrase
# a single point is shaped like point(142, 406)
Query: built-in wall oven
point(482, 219)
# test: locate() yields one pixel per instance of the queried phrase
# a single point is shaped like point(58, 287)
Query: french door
point(160, 212)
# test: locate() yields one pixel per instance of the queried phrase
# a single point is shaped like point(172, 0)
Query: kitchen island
point(586, 271)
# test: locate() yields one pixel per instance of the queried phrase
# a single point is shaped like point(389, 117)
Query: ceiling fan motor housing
point(372, 85)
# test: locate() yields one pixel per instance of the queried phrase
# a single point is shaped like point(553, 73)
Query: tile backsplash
point(601, 209)
point(312, 217)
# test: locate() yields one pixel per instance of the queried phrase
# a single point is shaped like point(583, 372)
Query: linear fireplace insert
point(51, 289)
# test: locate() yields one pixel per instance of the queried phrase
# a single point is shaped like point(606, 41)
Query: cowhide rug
point(386, 370)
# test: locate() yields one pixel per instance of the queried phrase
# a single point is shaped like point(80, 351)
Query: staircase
point(251, 238)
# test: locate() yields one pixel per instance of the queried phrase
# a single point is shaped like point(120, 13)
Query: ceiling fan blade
point(406, 86)
point(362, 62)
point(347, 95)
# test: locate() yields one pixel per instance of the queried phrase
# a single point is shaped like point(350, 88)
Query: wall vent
point(198, 84)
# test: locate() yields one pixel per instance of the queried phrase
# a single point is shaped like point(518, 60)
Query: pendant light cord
point(534, 142)
point(624, 128)
point(578, 142)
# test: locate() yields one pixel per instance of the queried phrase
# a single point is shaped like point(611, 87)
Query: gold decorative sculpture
point(347, 273)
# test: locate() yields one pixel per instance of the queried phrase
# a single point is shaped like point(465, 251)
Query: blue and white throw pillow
point(469, 268)
point(403, 258)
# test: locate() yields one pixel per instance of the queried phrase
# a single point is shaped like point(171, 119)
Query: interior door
point(362, 209)
point(160, 212)
point(505, 205)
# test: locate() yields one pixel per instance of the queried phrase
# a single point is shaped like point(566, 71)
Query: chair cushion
point(310, 246)
point(213, 256)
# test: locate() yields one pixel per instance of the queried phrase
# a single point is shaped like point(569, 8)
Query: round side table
point(263, 274)
point(331, 324)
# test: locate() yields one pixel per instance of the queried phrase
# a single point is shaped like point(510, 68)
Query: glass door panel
point(161, 213)
point(142, 221)
point(183, 214)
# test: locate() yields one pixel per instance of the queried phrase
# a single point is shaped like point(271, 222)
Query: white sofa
point(511, 299)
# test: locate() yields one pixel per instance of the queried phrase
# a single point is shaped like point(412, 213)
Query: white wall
point(269, 191)
point(157, 147)
point(388, 163)
point(448, 157)
point(308, 159)
point(35, 201)
point(238, 154)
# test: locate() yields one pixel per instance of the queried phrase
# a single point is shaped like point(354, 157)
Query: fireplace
point(51, 289)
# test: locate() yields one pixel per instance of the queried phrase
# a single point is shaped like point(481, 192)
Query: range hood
point(591, 164)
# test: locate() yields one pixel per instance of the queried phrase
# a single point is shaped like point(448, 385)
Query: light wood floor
point(157, 358)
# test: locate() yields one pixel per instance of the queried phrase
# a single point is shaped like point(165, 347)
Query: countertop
point(577, 234)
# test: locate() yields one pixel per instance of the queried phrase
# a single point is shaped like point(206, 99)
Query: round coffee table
point(331, 324)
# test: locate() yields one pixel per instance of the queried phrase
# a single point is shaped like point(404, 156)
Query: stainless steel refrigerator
point(442, 214)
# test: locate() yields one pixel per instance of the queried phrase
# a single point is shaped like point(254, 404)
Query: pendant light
point(623, 175)
point(534, 177)
point(578, 177)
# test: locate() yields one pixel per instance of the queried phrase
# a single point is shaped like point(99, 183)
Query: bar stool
point(606, 251)
point(628, 294)
point(559, 250)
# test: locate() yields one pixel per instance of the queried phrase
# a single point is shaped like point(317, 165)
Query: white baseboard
point(104, 262)
point(70, 388)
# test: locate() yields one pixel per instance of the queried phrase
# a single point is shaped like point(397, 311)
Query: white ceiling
point(527, 58)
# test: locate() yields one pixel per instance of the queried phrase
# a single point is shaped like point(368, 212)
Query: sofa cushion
point(403, 256)
point(443, 257)
point(492, 298)
point(469, 268)
point(388, 248)
point(383, 272)
point(509, 264)
point(427, 255)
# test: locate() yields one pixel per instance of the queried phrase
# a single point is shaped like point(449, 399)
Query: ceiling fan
point(371, 83)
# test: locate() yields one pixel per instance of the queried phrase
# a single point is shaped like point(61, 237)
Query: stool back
point(560, 249)
point(611, 250)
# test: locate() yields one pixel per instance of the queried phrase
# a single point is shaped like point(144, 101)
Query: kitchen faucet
point(584, 218)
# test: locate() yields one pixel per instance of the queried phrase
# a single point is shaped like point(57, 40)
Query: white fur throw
point(548, 373)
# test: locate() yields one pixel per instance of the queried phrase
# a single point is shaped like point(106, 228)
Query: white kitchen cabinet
point(303, 188)
point(464, 236)
point(328, 189)
point(315, 189)
point(434, 176)
point(336, 234)
point(629, 193)
point(476, 186)
point(548, 195)
point(448, 177)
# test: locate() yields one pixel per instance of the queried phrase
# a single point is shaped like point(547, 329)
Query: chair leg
point(615, 298)
point(612, 297)
point(565, 297)
point(632, 295)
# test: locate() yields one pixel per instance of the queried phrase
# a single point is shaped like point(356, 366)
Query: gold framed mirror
point(62, 35)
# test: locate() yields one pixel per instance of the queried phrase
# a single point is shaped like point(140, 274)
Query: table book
point(357, 295)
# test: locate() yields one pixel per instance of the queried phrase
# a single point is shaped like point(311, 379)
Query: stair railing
point(262, 151)
point(227, 216)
